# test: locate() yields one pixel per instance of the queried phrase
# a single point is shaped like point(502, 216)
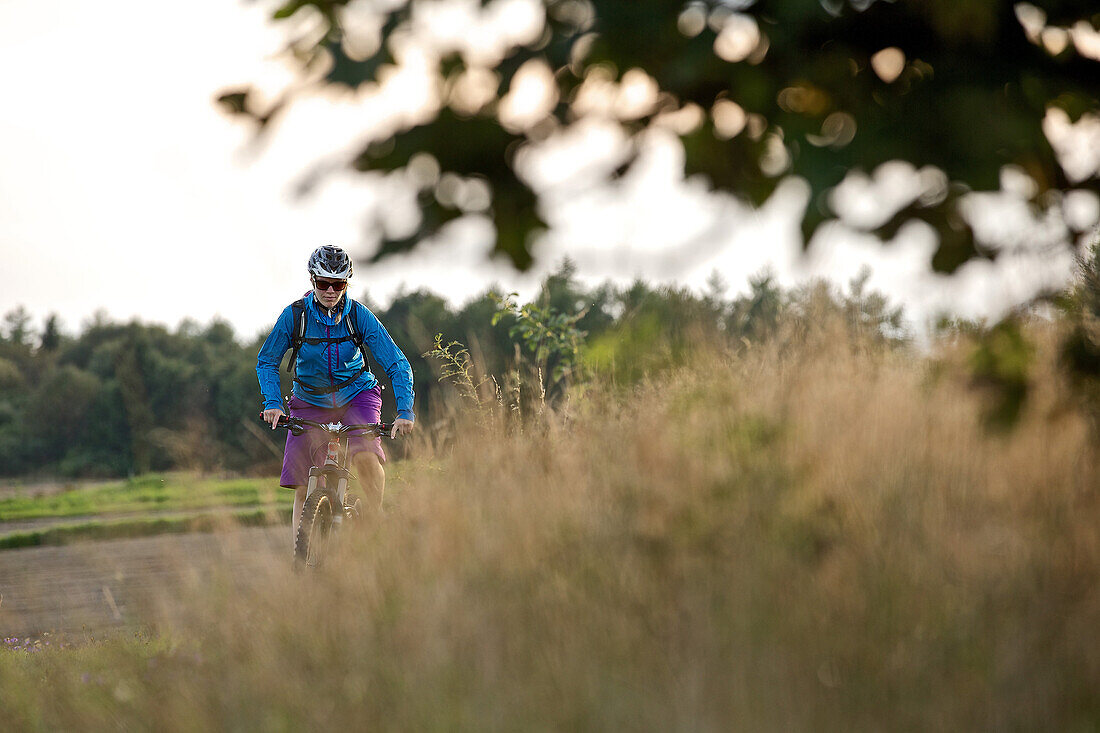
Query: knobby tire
point(353, 506)
point(314, 529)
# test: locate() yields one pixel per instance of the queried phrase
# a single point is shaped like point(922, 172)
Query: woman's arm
point(390, 358)
point(269, 358)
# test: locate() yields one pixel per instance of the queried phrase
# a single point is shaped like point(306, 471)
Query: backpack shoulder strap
point(352, 331)
point(297, 335)
point(356, 336)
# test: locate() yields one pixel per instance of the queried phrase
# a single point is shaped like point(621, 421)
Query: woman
point(333, 382)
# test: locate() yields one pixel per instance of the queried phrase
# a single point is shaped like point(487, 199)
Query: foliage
point(755, 90)
point(658, 328)
point(871, 311)
point(127, 398)
point(124, 399)
point(547, 357)
point(782, 537)
point(1081, 346)
point(550, 339)
point(1001, 362)
point(457, 368)
point(758, 315)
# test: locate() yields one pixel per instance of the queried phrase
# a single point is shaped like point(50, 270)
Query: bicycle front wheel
point(315, 528)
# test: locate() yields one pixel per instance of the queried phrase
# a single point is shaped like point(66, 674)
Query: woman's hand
point(401, 425)
point(273, 416)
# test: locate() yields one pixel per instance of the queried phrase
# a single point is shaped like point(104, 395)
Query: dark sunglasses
point(324, 285)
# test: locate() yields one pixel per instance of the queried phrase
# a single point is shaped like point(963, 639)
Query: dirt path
point(99, 585)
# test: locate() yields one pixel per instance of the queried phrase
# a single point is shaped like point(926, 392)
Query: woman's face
point(328, 292)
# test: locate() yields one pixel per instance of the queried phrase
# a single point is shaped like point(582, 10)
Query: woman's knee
point(368, 462)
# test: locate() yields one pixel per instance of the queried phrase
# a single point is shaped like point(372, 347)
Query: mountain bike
point(328, 502)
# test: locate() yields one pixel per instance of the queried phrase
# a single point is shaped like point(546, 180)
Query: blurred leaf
point(349, 72)
point(289, 9)
point(234, 102)
point(968, 98)
point(956, 246)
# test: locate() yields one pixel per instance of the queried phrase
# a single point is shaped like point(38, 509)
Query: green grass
point(141, 507)
point(155, 492)
point(65, 534)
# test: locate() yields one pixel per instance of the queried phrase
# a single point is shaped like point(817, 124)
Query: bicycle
point(328, 501)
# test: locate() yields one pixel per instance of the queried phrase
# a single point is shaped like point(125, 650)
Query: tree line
point(121, 399)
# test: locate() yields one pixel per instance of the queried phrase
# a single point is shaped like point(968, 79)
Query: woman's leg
point(372, 480)
point(368, 455)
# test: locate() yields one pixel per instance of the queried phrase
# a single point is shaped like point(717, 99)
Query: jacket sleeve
point(271, 354)
point(390, 358)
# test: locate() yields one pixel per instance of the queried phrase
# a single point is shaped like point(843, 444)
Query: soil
point(92, 587)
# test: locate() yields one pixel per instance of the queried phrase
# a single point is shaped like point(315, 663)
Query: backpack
point(298, 337)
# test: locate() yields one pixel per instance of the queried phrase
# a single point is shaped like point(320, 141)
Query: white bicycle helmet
point(331, 262)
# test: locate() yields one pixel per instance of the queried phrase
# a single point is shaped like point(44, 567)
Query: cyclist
point(333, 382)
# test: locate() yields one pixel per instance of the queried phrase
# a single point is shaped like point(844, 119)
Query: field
point(815, 535)
point(52, 514)
point(147, 531)
point(83, 591)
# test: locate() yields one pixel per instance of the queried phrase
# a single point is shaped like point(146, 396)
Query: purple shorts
point(308, 449)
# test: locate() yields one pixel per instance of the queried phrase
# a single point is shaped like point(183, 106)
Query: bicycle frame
point(334, 466)
point(326, 499)
point(336, 456)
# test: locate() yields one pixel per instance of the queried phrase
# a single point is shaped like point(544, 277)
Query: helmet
point(331, 262)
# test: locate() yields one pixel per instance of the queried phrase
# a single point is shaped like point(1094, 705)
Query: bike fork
point(335, 476)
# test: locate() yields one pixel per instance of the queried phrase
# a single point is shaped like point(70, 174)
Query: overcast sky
point(124, 189)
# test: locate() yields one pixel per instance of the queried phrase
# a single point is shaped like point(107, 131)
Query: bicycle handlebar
point(297, 425)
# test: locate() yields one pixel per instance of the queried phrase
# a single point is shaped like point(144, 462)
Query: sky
point(125, 191)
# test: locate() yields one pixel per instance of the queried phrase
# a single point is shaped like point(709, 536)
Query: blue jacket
point(328, 364)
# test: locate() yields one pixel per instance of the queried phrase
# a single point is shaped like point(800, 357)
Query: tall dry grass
point(816, 534)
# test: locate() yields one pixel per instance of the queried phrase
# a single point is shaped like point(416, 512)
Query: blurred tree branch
point(755, 90)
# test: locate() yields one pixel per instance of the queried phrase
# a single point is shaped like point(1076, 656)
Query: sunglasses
point(324, 285)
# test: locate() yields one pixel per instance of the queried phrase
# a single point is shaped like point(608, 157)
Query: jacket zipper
point(331, 380)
